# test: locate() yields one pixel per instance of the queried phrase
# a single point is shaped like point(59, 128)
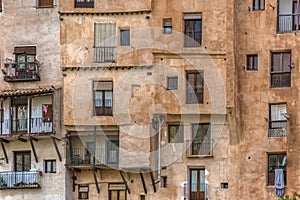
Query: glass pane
point(194, 180)
point(202, 181)
point(277, 112)
point(19, 163)
point(54, 166)
point(108, 99)
point(286, 62)
point(21, 58)
point(122, 195)
point(48, 163)
point(276, 62)
point(98, 98)
point(30, 58)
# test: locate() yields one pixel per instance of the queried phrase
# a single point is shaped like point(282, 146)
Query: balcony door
point(22, 161)
point(112, 151)
point(296, 18)
point(197, 184)
point(19, 113)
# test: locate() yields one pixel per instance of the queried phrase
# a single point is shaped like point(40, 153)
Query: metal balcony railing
point(38, 125)
point(277, 129)
point(102, 156)
point(280, 79)
point(105, 54)
point(28, 72)
point(199, 147)
point(288, 23)
point(84, 3)
point(20, 180)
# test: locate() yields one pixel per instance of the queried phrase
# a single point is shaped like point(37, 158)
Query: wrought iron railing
point(38, 125)
point(199, 147)
point(20, 180)
point(84, 3)
point(29, 71)
point(280, 79)
point(288, 23)
point(277, 128)
point(105, 54)
point(101, 156)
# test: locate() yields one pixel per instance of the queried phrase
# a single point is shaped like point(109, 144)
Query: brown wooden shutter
point(25, 50)
point(45, 3)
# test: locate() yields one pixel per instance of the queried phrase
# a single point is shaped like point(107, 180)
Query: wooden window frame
point(258, 5)
point(193, 38)
point(252, 62)
point(51, 162)
point(102, 110)
point(270, 169)
point(45, 4)
point(283, 74)
point(178, 127)
point(80, 194)
point(194, 90)
point(23, 153)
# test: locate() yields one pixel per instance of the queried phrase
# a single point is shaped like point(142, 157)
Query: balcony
point(277, 129)
point(20, 180)
point(80, 156)
point(199, 148)
point(84, 3)
point(288, 23)
point(33, 125)
point(280, 79)
point(14, 72)
point(105, 54)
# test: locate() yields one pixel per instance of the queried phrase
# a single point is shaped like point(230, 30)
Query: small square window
point(167, 25)
point(258, 4)
point(172, 83)
point(163, 181)
point(125, 37)
point(252, 62)
point(83, 192)
point(50, 166)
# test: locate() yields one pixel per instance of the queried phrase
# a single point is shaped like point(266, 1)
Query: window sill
point(200, 156)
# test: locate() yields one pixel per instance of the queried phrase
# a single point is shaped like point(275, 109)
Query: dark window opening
point(194, 87)
point(258, 4)
point(50, 166)
point(103, 97)
point(167, 26)
point(252, 62)
point(192, 30)
point(84, 3)
point(172, 83)
point(83, 192)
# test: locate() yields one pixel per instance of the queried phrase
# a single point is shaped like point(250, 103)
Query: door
point(197, 184)
point(22, 161)
point(112, 151)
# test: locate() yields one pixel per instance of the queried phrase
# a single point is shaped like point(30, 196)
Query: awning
point(26, 92)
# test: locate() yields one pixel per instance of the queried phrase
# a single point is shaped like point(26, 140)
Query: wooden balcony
point(20, 180)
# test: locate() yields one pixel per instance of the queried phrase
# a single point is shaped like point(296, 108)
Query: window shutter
point(105, 34)
point(103, 85)
point(25, 50)
point(45, 3)
point(277, 111)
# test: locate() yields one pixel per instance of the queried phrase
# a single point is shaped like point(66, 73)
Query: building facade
point(267, 63)
point(148, 99)
point(30, 99)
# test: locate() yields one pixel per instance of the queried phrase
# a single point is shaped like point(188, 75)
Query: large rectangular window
point(104, 42)
point(192, 30)
point(194, 87)
point(103, 97)
point(45, 3)
point(276, 161)
point(176, 133)
point(281, 69)
point(258, 4)
point(22, 161)
point(201, 141)
point(277, 120)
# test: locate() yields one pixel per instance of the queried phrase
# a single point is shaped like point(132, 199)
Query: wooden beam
point(56, 149)
point(96, 181)
point(143, 181)
point(21, 139)
point(153, 181)
point(4, 151)
point(125, 182)
point(4, 140)
point(74, 178)
point(33, 149)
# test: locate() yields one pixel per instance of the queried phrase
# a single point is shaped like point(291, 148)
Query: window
point(125, 37)
point(258, 4)
point(50, 166)
point(164, 182)
point(83, 192)
point(277, 120)
point(192, 30)
point(117, 192)
point(167, 25)
point(252, 62)
point(103, 94)
point(172, 83)
point(176, 134)
point(275, 161)
point(197, 184)
point(201, 141)
point(281, 70)
point(105, 42)
point(84, 3)
point(45, 3)
point(194, 87)
point(22, 161)
point(47, 112)
point(142, 197)
point(112, 153)
point(0, 5)
point(288, 16)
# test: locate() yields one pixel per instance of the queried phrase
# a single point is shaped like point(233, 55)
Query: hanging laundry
point(45, 109)
point(279, 182)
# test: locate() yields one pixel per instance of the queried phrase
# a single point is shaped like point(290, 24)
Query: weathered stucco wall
point(256, 33)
